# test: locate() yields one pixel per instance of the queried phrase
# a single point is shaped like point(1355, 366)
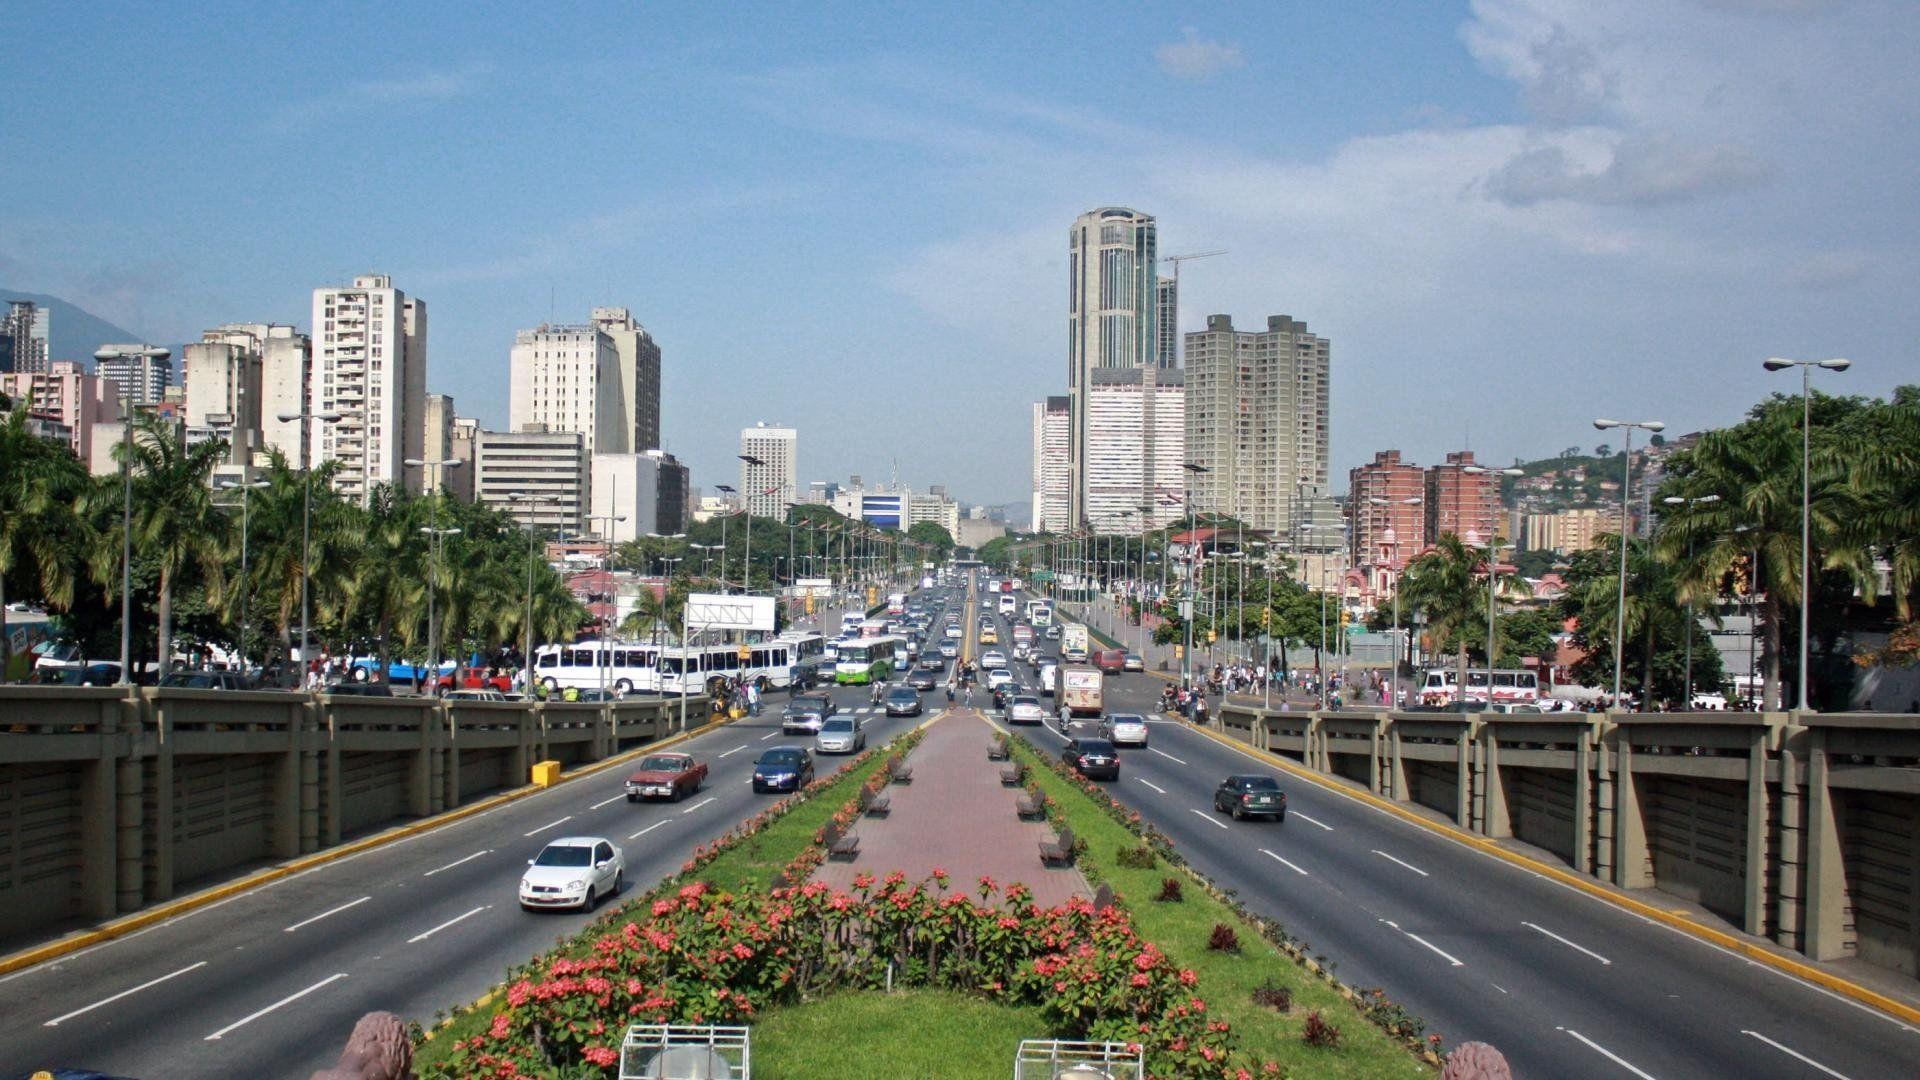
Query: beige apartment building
point(1257, 421)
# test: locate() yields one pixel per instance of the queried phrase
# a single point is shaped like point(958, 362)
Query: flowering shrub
point(702, 956)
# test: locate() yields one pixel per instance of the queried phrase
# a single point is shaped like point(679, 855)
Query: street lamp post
point(126, 503)
point(246, 586)
point(728, 489)
point(1620, 601)
point(1806, 495)
point(1493, 575)
point(434, 534)
point(1394, 687)
point(1677, 500)
point(1186, 654)
point(326, 416)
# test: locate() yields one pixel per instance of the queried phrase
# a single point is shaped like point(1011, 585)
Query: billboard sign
point(712, 611)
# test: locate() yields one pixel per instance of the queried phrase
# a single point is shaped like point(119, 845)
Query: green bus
point(866, 660)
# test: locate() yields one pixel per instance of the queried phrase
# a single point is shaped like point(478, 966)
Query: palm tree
point(175, 521)
point(386, 582)
point(39, 482)
point(1654, 602)
point(659, 610)
point(278, 562)
point(1444, 584)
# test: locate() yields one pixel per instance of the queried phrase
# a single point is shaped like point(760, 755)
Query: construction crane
point(1176, 260)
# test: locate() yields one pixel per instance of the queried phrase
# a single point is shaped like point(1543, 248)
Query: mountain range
point(74, 332)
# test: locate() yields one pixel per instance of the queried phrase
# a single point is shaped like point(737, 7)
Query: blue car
point(783, 768)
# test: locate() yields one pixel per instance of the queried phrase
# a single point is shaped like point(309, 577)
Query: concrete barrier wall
point(1803, 828)
point(113, 799)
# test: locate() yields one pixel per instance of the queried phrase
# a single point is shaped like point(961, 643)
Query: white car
point(1127, 729)
point(993, 658)
point(953, 631)
point(949, 650)
point(1026, 709)
point(998, 677)
point(841, 735)
point(573, 872)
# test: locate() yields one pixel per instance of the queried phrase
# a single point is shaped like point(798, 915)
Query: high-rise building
point(1112, 309)
point(369, 363)
point(221, 380)
point(767, 489)
point(23, 336)
point(1389, 511)
point(639, 367)
point(141, 374)
point(1136, 448)
point(551, 467)
point(567, 378)
point(1052, 473)
point(463, 440)
point(648, 490)
point(1568, 531)
point(437, 444)
point(1167, 322)
point(1462, 503)
point(78, 402)
point(286, 381)
point(1257, 410)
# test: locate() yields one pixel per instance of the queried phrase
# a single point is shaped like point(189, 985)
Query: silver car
point(841, 735)
point(1127, 729)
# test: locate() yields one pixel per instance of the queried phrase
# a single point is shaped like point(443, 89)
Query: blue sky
point(1508, 215)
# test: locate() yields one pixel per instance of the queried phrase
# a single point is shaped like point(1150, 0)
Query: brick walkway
point(955, 815)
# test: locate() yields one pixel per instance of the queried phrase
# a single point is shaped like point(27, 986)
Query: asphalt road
point(1563, 983)
point(270, 982)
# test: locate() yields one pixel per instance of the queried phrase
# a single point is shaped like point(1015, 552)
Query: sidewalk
point(955, 815)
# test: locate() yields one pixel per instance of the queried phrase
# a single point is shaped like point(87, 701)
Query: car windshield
point(902, 694)
point(1126, 718)
point(663, 763)
point(784, 759)
point(1027, 700)
point(565, 855)
point(1256, 783)
point(1095, 746)
point(838, 725)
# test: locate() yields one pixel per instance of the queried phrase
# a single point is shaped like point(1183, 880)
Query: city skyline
point(1528, 189)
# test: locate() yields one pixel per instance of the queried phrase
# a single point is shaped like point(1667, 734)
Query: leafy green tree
point(1447, 586)
point(935, 535)
point(387, 583)
point(39, 482)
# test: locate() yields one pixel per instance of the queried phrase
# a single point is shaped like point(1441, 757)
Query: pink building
point(1463, 503)
point(1389, 511)
point(68, 394)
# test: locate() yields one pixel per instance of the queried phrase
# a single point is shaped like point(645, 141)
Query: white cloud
point(1640, 170)
point(424, 88)
point(1195, 57)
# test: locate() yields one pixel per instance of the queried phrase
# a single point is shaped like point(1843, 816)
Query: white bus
point(1509, 686)
point(767, 664)
point(1008, 605)
point(867, 660)
point(1040, 612)
point(623, 667)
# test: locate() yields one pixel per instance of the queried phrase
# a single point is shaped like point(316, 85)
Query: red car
point(666, 776)
point(1110, 661)
point(478, 679)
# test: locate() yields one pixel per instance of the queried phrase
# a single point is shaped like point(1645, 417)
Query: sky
point(1509, 216)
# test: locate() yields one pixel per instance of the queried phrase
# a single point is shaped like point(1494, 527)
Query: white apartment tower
point(220, 375)
point(1257, 405)
point(550, 466)
point(1136, 449)
point(768, 489)
point(639, 367)
point(369, 364)
point(1112, 319)
point(286, 380)
point(1050, 467)
point(567, 378)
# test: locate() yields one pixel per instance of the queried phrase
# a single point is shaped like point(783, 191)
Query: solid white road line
point(1312, 821)
point(735, 750)
point(1166, 755)
point(1401, 862)
point(1151, 784)
point(55, 1022)
point(646, 830)
point(1206, 817)
point(1428, 945)
point(699, 804)
point(1568, 944)
point(550, 825)
point(289, 999)
point(457, 862)
point(324, 914)
point(1284, 863)
point(425, 934)
point(1791, 1052)
point(604, 802)
point(1608, 1054)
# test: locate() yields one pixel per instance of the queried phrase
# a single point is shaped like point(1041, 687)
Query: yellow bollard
point(546, 773)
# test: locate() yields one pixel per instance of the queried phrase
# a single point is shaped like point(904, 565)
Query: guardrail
point(1796, 827)
point(112, 799)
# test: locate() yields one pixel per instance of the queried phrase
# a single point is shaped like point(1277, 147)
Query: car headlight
point(575, 885)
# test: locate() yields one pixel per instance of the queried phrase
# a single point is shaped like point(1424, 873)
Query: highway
point(271, 981)
point(1564, 984)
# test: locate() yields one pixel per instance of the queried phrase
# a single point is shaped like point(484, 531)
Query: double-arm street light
point(306, 416)
point(1620, 601)
point(1193, 549)
point(1493, 572)
point(155, 353)
point(1676, 500)
point(434, 533)
point(1806, 494)
point(725, 489)
point(1394, 686)
point(246, 586)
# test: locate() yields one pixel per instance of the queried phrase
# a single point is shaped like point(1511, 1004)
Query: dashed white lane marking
point(288, 1000)
point(769, 735)
point(549, 825)
point(1608, 1054)
point(604, 802)
point(1792, 1053)
point(1284, 863)
point(646, 830)
point(457, 862)
point(1428, 945)
point(1206, 817)
point(55, 1022)
point(1151, 784)
point(425, 934)
point(330, 911)
point(1568, 944)
point(1164, 754)
point(699, 804)
point(1312, 820)
point(735, 750)
point(1401, 862)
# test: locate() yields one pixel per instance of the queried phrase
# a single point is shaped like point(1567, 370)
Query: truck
point(1080, 690)
point(1073, 642)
